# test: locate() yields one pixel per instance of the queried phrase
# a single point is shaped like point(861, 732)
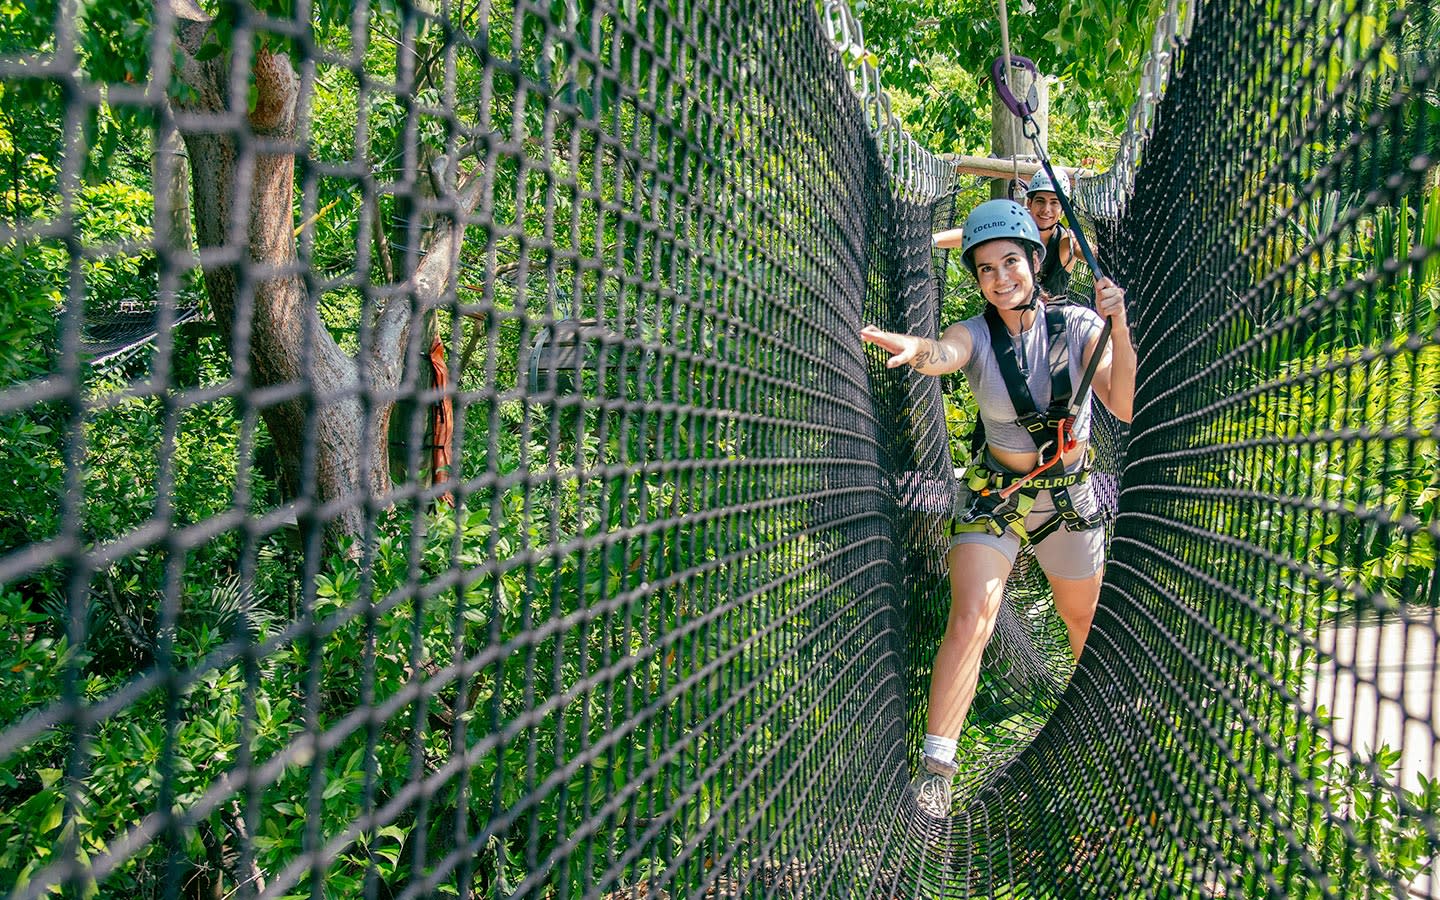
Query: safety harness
point(1002, 500)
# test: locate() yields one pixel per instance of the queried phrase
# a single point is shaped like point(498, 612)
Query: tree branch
point(189, 11)
point(243, 203)
point(427, 285)
point(247, 871)
point(382, 243)
point(473, 340)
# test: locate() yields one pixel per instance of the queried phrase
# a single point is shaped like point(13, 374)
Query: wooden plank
point(988, 167)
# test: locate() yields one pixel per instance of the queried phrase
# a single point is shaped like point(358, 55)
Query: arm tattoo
point(932, 353)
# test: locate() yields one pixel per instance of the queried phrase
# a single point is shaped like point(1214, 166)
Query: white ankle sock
point(941, 748)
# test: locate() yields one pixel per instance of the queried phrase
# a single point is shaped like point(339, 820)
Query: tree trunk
point(328, 436)
point(260, 302)
point(172, 193)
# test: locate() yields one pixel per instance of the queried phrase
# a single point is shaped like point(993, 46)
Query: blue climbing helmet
point(996, 219)
point(1041, 182)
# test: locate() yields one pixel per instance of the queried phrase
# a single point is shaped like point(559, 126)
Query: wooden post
point(1006, 139)
point(170, 177)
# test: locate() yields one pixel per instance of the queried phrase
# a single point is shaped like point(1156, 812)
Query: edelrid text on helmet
point(998, 220)
point(988, 226)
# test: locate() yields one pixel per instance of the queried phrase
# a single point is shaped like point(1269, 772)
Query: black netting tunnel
point(497, 500)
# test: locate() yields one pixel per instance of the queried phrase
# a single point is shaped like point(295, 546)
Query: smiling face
point(1044, 208)
point(1006, 277)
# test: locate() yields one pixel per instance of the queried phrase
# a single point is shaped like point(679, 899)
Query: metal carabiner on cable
point(1021, 108)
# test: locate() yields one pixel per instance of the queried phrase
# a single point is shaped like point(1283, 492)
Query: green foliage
point(1351, 369)
point(30, 294)
point(27, 27)
point(126, 453)
point(38, 274)
point(115, 36)
point(382, 630)
point(1324, 455)
point(935, 57)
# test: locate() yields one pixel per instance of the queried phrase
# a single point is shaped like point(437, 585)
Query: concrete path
point(1381, 687)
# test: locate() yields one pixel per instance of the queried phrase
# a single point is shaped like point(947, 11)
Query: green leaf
point(335, 787)
point(51, 820)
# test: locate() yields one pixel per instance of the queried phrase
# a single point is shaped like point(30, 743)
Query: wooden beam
point(989, 167)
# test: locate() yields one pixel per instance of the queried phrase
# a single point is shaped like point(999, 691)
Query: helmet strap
point(1034, 284)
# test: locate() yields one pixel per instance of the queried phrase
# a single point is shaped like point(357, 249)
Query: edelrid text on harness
point(1002, 499)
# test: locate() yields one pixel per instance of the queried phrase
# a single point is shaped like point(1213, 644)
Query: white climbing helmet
point(1041, 182)
point(994, 220)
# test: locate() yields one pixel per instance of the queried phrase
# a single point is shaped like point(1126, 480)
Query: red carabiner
point(1064, 443)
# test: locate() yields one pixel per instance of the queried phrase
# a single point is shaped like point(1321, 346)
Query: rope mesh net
point(521, 515)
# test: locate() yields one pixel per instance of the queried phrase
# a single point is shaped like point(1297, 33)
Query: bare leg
point(977, 583)
point(1075, 600)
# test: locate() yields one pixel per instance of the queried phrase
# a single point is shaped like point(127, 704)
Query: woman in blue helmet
point(1025, 490)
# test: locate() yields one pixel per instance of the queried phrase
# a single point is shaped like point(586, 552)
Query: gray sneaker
point(930, 792)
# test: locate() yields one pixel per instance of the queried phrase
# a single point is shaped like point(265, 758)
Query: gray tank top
point(1031, 350)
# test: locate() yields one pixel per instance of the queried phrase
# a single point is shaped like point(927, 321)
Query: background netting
point(490, 495)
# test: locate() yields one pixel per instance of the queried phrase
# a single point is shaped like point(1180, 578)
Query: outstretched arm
point(945, 240)
point(926, 355)
point(1114, 380)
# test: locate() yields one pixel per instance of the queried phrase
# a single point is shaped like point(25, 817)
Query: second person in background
point(1061, 249)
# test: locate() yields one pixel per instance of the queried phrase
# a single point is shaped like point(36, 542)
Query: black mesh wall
point(505, 505)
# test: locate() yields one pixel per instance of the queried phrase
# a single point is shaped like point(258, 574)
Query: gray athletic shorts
point(1063, 553)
